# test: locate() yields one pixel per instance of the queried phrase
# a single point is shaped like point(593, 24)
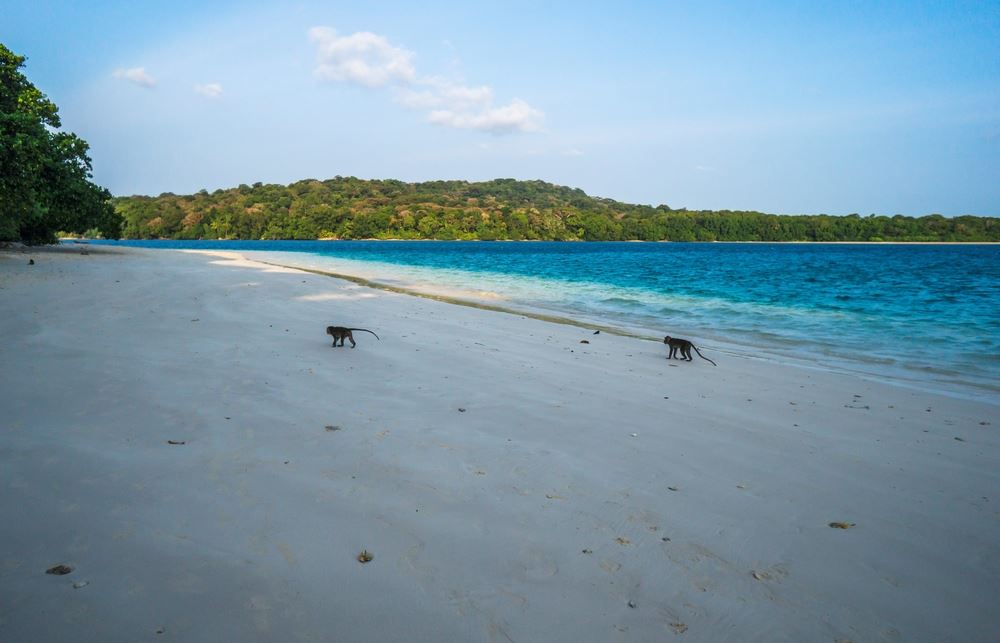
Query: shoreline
point(180, 432)
point(893, 370)
point(447, 299)
point(903, 377)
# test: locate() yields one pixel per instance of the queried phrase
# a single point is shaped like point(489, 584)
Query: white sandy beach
point(511, 483)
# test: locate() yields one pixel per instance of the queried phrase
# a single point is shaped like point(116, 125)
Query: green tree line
point(351, 208)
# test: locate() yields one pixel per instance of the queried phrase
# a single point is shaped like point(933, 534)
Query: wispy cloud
point(518, 115)
point(440, 92)
point(136, 75)
point(211, 90)
point(370, 60)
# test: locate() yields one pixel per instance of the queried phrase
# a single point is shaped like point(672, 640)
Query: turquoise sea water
point(927, 315)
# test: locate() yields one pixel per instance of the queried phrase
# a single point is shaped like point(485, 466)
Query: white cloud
point(517, 116)
point(461, 95)
point(136, 75)
point(211, 90)
point(371, 60)
point(440, 93)
point(364, 57)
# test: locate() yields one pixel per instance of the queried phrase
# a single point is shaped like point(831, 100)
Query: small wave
point(927, 368)
point(867, 358)
point(622, 301)
point(784, 345)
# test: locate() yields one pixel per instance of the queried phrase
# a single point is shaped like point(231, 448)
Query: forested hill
point(350, 208)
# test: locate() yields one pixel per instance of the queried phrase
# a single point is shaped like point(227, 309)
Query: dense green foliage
point(45, 174)
point(350, 208)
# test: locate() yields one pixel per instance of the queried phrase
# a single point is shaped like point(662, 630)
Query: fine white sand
point(511, 483)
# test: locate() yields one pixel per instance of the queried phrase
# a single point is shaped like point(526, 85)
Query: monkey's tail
point(365, 330)
point(702, 356)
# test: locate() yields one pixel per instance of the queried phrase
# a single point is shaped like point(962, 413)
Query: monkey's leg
point(351, 337)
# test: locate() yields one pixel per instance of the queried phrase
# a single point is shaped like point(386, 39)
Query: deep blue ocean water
point(924, 314)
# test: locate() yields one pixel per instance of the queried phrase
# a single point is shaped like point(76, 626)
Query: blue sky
point(782, 107)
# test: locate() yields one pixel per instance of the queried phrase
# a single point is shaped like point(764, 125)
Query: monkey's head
point(666, 340)
point(329, 330)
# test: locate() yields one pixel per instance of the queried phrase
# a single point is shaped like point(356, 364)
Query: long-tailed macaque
point(339, 332)
point(685, 346)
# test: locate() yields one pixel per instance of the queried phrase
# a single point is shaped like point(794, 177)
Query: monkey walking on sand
point(685, 346)
point(339, 332)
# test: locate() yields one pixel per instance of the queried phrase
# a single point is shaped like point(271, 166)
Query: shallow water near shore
point(923, 315)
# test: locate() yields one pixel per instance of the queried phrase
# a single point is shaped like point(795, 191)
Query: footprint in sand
point(772, 573)
point(535, 564)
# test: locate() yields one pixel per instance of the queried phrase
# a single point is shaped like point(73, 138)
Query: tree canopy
point(351, 208)
point(45, 174)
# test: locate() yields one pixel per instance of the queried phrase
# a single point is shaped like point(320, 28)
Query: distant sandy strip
point(176, 428)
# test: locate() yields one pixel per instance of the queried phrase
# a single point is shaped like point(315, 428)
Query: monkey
point(31, 262)
point(339, 332)
point(685, 347)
